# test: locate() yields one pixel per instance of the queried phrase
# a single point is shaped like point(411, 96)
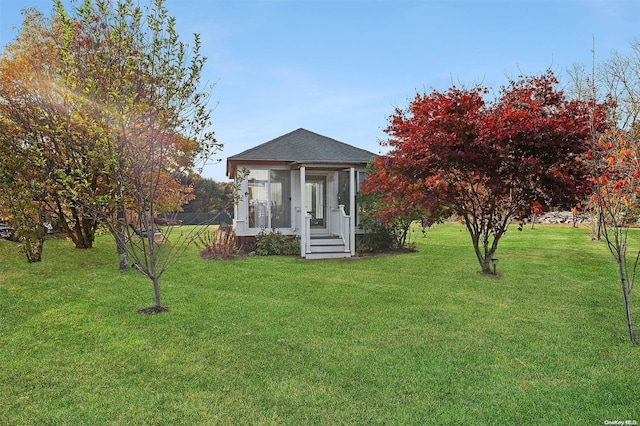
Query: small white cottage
point(302, 184)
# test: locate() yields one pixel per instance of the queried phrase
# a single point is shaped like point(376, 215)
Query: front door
point(316, 200)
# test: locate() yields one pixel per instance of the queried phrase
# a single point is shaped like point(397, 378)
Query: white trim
point(352, 210)
point(303, 214)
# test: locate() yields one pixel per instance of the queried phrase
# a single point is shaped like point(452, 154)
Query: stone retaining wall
point(562, 217)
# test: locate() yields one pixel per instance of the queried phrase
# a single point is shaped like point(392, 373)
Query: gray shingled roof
point(303, 146)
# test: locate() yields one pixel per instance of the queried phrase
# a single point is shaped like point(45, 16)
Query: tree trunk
point(486, 266)
point(33, 249)
point(596, 228)
point(156, 291)
point(83, 231)
point(123, 259)
point(627, 302)
point(632, 328)
point(31, 232)
point(120, 236)
point(487, 251)
point(88, 232)
point(477, 234)
point(484, 256)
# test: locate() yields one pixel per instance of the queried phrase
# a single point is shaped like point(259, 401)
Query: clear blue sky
point(340, 67)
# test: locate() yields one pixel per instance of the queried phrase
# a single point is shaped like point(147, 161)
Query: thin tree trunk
point(120, 235)
point(121, 246)
point(632, 328)
point(627, 302)
point(156, 291)
point(596, 228)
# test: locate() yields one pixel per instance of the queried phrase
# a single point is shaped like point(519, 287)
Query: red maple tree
point(488, 160)
point(616, 183)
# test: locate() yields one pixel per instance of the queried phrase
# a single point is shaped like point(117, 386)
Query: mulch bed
point(153, 310)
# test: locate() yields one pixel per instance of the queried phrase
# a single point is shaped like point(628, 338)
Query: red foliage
point(487, 160)
point(457, 149)
point(617, 179)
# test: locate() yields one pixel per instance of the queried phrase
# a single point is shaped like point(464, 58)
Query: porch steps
point(327, 247)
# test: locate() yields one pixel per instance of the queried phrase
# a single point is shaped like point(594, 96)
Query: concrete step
point(331, 255)
point(327, 248)
point(327, 244)
point(326, 241)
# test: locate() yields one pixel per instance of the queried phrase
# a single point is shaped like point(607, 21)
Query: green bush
point(381, 236)
point(275, 243)
point(377, 238)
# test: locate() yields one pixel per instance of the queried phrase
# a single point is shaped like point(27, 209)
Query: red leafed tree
point(488, 160)
point(616, 193)
point(394, 200)
point(615, 163)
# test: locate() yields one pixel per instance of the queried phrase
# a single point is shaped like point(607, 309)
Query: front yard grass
point(418, 338)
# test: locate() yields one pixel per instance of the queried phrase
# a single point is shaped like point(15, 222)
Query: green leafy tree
point(110, 107)
point(19, 194)
point(209, 196)
point(148, 112)
point(38, 103)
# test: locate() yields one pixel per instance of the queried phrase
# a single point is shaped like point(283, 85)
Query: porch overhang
point(336, 166)
point(232, 165)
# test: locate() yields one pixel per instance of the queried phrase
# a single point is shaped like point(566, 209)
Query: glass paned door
point(316, 196)
point(280, 198)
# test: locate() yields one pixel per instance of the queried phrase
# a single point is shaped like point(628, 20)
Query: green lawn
point(417, 338)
